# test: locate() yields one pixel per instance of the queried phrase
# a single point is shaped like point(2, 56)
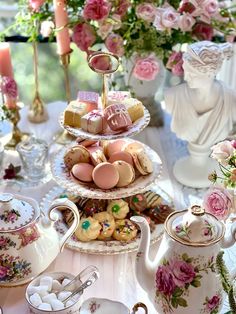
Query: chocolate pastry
point(138, 203)
point(159, 213)
point(153, 199)
point(93, 206)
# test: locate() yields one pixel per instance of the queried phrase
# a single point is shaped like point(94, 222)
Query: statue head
point(203, 60)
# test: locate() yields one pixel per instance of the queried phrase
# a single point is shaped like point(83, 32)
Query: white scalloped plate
point(101, 247)
point(134, 129)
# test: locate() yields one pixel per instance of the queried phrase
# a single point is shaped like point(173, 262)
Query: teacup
point(106, 306)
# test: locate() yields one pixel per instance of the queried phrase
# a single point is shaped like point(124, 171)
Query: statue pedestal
point(193, 170)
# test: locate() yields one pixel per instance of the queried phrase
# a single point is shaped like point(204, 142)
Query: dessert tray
point(99, 247)
point(63, 178)
point(134, 129)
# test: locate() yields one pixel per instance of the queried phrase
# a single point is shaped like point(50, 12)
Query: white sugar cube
point(57, 305)
point(45, 306)
point(35, 299)
point(69, 303)
point(56, 286)
point(65, 282)
point(47, 298)
point(63, 295)
point(46, 281)
point(42, 290)
point(31, 290)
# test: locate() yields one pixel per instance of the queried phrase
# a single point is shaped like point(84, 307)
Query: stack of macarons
point(108, 164)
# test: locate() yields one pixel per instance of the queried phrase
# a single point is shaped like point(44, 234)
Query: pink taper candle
point(5, 60)
point(61, 19)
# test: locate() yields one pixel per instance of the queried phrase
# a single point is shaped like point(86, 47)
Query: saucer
point(103, 306)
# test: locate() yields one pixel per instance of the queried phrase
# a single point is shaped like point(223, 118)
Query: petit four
point(93, 122)
point(89, 98)
point(118, 208)
point(82, 172)
point(134, 108)
point(117, 97)
point(76, 155)
point(126, 173)
point(117, 117)
point(105, 175)
point(88, 229)
point(73, 113)
point(107, 222)
point(93, 206)
point(159, 213)
point(125, 230)
point(138, 202)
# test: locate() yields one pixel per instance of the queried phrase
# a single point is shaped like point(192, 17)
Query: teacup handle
point(65, 203)
point(139, 305)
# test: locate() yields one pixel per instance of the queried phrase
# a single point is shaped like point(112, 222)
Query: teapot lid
point(16, 212)
point(194, 227)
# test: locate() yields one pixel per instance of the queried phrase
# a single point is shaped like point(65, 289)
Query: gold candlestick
point(17, 135)
point(37, 112)
point(64, 137)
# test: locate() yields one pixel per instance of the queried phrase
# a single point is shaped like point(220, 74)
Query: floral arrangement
point(149, 30)
point(219, 200)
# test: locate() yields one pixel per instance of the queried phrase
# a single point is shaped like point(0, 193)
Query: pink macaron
point(125, 156)
point(115, 146)
point(83, 172)
point(105, 175)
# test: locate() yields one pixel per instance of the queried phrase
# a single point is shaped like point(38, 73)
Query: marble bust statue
point(203, 110)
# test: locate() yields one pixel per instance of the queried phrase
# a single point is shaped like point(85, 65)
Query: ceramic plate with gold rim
point(62, 177)
point(134, 129)
point(102, 247)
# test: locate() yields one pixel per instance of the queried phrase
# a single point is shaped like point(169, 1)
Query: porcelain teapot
point(28, 240)
point(182, 278)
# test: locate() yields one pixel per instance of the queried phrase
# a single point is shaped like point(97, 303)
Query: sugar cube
point(63, 295)
point(69, 303)
point(65, 282)
point(46, 281)
point(45, 306)
point(56, 286)
point(57, 305)
point(47, 298)
point(42, 290)
point(35, 299)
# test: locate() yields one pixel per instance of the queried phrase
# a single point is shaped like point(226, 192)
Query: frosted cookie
point(118, 208)
point(76, 155)
point(88, 229)
point(125, 230)
point(138, 202)
point(107, 222)
point(93, 206)
point(153, 199)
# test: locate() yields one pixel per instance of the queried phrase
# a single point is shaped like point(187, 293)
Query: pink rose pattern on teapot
point(175, 276)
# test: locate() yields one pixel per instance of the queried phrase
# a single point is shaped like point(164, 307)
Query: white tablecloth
point(117, 280)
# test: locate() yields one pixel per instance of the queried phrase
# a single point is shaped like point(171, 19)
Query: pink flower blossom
point(36, 4)
point(166, 18)
point(96, 9)
point(116, 21)
point(210, 7)
point(182, 271)
point(9, 87)
point(115, 44)
point(146, 68)
point(3, 241)
point(46, 28)
point(222, 151)
point(203, 31)
point(186, 22)
point(164, 280)
point(218, 201)
point(186, 6)
point(175, 63)
point(3, 271)
point(122, 7)
point(83, 36)
point(105, 28)
point(213, 303)
point(146, 11)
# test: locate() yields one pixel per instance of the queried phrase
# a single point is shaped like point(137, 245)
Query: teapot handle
point(65, 203)
point(139, 305)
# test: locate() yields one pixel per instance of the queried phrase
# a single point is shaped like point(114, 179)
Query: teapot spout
point(230, 239)
point(143, 265)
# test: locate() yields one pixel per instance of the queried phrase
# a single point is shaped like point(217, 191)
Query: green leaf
point(182, 302)
point(185, 257)
point(174, 303)
point(189, 260)
point(177, 292)
point(196, 283)
point(17, 169)
point(197, 277)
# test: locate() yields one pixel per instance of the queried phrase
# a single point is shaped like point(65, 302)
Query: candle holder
point(63, 137)
point(17, 135)
point(37, 112)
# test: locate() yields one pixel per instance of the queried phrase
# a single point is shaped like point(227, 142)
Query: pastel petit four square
point(93, 122)
point(89, 98)
point(117, 117)
point(135, 108)
point(73, 113)
point(117, 97)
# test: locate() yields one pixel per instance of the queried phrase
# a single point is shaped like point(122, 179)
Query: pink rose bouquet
point(83, 36)
point(146, 11)
point(114, 44)
point(175, 63)
point(146, 68)
point(36, 4)
point(96, 9)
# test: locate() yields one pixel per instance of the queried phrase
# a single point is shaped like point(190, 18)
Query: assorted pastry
point(110, 219)
point(107, 164)
point(86, 113)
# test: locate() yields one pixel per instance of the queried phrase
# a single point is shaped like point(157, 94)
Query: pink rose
point(116, 21)
point(222, 151)
point(182, 272)
point(9, 87)
point(213, 303)
point(146, 68)
point(186, 6)
point(164, 280)
point(218, 201)
point(83, 36)
point(210, 7)
point(186, 22)
point(46, 28)
point(122, 7)
point(96, 9)
point(203, 31)
point(3, 272)
point(115, 44)
point(105, 28)
point(36, 4)
point(175, 63)
point(146, 11)
point(3, 241)
point(166, 18)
